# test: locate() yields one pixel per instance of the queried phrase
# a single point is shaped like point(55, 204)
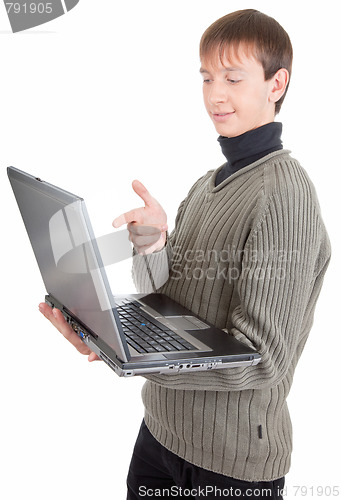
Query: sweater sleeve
point(284, 261)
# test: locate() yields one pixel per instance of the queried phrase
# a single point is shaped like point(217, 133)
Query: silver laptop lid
point(67, 254)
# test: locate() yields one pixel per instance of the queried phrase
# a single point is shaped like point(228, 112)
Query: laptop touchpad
point(187, 322)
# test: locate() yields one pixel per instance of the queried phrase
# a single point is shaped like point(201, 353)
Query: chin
point(227, 132)
point(231, 131)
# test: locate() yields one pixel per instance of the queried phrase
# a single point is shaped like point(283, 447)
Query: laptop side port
point(109, 362)
point(190, 366)
point(77, 329)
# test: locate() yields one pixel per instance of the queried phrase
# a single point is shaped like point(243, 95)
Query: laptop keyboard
point(147, 335)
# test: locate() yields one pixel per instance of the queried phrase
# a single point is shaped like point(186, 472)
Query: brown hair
point(261, 34)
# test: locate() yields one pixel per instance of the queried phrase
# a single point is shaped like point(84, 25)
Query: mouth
point(221, 117)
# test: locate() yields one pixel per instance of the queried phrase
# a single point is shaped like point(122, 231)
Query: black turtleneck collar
point(249, 147)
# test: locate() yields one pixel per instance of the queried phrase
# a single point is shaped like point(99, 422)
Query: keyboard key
point(159, 348)
point(150, 349)
point(186, 344)
point(168, 347)
point(177, 346)
point(135, 345)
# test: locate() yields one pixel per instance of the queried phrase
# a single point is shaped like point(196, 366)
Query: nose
point(218, 93)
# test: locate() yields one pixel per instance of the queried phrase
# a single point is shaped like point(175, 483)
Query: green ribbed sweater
point(248, 255)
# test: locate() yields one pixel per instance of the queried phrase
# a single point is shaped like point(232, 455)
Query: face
point(236, 96)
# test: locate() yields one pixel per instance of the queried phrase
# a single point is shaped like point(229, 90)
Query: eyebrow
point(203, 70)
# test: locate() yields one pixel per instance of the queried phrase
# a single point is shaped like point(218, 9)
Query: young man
point(248, 253)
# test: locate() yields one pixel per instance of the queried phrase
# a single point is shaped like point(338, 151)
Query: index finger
point(131, 216)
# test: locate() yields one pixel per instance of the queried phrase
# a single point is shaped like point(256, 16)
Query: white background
point(105, 94)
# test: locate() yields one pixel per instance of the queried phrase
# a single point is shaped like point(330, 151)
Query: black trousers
point(156, 473)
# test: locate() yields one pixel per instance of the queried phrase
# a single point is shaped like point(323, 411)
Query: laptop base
point(165, 363)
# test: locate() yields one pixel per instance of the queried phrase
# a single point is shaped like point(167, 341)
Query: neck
point(246, 148)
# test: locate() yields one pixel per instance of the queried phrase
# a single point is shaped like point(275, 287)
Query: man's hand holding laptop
point(55, 316)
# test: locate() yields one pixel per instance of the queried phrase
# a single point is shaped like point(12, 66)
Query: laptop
point(135, 334)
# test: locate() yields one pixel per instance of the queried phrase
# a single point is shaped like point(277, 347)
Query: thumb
point(142, 192)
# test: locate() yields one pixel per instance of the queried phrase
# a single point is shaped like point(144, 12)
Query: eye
point(233, 82)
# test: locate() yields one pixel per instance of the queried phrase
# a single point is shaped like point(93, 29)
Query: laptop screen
point(67, 255)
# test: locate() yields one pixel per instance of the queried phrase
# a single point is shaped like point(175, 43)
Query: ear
point(278, 85)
